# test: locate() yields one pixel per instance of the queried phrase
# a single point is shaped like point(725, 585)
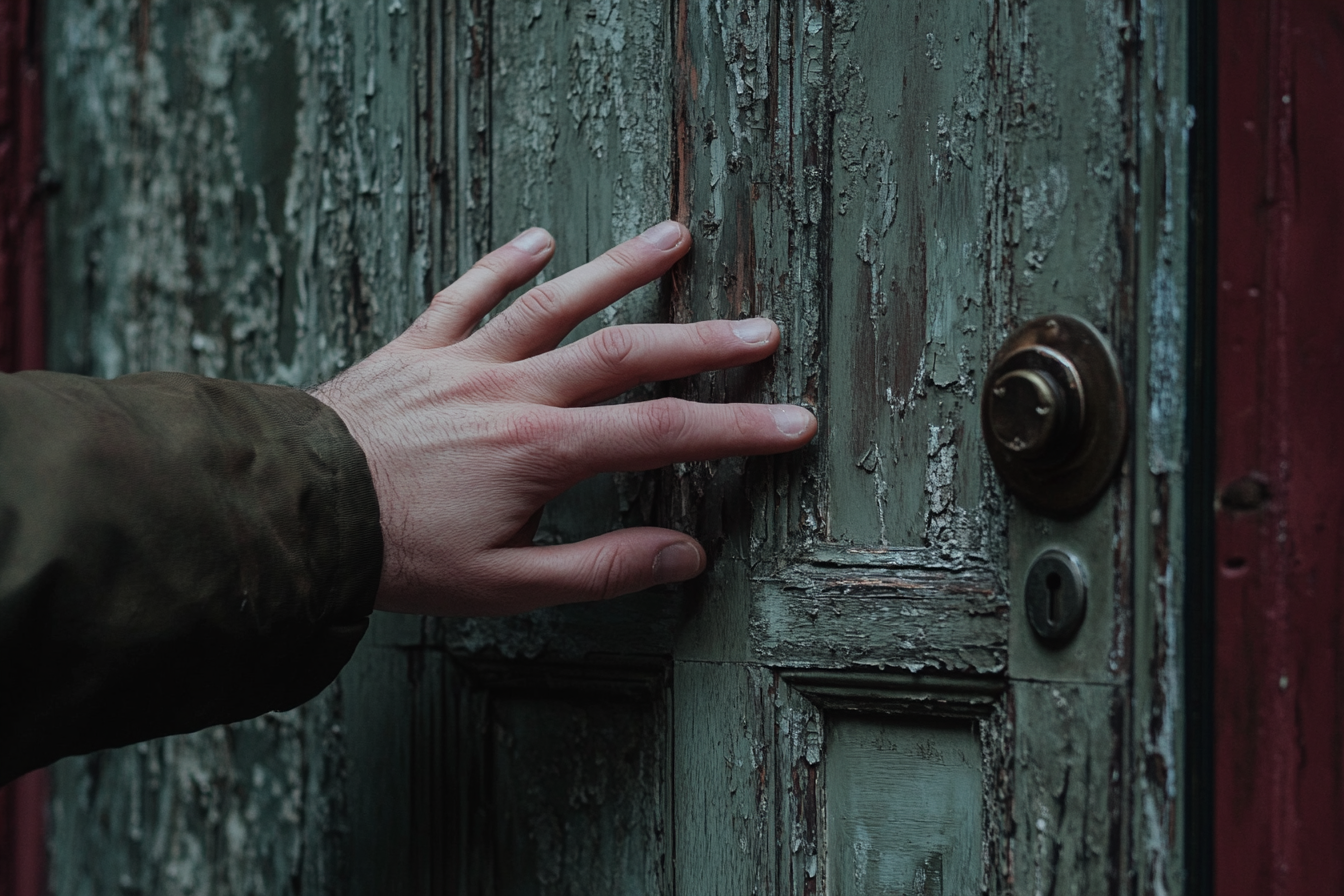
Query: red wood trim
point(22, 315)
point(22, 341)
point(23, 848)
point(1279, 698)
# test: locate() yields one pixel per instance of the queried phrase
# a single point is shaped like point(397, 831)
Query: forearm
point(175, 552)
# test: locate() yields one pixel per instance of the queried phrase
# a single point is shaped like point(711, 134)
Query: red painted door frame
point(23, 804)
point(1279, 527)
point(22, 317)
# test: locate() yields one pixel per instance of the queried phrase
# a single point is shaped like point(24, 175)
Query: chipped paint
point(897, 187)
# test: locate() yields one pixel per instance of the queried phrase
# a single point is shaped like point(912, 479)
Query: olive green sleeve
point(175, 552)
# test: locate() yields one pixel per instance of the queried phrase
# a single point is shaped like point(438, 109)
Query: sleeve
point(175, 552)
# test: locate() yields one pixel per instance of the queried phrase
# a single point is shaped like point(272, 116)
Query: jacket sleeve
point(175, 552)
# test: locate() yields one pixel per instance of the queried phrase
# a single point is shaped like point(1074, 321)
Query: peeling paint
point(896, 186)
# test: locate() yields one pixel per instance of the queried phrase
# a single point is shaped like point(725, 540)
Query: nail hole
point(1232, 564)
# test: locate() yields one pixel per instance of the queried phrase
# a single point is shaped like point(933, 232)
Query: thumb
point(597, 568)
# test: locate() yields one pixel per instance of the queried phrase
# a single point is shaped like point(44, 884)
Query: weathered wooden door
point(850, 701)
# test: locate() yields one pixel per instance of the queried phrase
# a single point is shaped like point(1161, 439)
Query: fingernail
point(676, 563)
point(790, 419)
point(665, 235)
point(754, 330)
point(533, 241)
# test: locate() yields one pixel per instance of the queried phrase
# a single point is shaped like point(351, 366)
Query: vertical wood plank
point(1068, 803)
point(1279, 751)
point(904, 811)
point(1165, 465)
point(578, 110)
point(23, 803)
point(23, 835)
point(724, 769)
point(247, 190)
point(751, 142)
point(22, 261)
point(915, 175)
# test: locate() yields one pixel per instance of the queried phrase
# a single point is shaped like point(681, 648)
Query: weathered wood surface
point(270, 191)
point(903, 807)
point(22, 250)
point(913, 612)
point(22, 347)
point(1278, 810)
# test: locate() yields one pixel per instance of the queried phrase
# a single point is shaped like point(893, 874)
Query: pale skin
point(470, 431)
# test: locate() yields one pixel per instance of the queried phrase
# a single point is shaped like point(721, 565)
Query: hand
point(469, 434)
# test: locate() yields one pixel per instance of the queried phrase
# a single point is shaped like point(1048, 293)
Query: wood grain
point(270, 192)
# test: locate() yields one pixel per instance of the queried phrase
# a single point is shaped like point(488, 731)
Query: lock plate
point(1054, 416)
point(1055, 595)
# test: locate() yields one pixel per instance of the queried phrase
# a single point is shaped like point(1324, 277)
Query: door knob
point(1053, 414)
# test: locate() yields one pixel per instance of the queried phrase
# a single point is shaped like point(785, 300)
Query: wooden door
point(850, 700)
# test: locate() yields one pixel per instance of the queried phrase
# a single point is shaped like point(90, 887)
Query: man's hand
point(469, 434)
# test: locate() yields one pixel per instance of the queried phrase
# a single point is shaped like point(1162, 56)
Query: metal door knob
point(1053, 414)
point(1025, 411)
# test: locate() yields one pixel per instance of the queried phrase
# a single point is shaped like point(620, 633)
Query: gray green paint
point(269, 191)
point(903, 812)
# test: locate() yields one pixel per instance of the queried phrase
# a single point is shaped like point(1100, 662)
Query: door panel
point(850, 700)
point(903, 806)
point(910, 318)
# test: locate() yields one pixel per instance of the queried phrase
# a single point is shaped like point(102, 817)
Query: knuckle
point(541, 301)
point(746, 421)
point(623, 260)
point(493, 265)
point(612, 347)
point(608, 572)
point(490, 382)
point(665, 420)
point(531, 428)
point(443, 300)
point(711, 334)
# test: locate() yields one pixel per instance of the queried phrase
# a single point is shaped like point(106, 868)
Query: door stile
point(1164, 117)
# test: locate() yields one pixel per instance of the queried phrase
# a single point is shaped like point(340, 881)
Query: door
point(851, 700)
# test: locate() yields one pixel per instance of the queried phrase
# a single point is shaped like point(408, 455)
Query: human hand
point(469, 434)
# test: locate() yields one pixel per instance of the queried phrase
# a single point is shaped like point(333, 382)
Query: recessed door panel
point(904, 807)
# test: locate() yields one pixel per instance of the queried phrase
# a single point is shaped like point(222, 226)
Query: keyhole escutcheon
point(1055, 595)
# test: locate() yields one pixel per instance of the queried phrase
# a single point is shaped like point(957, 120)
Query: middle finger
point(616, 359)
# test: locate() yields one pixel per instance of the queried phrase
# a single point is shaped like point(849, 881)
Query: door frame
point(1274, 815)
point(23, 803)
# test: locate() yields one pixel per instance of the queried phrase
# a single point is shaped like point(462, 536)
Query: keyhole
point(1055, 597)
point(1056, 586)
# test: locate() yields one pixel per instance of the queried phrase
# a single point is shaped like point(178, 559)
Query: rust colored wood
point(22, 342)
point(23, 849)
point(1279, 803)
point(21, 244)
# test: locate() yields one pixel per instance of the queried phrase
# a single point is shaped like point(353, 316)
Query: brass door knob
point(1053, 414)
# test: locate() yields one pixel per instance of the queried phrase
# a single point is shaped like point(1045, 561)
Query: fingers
point(602, 567)
point(648, 434)
point(617, 359)
point(544, 315)
point(453, 313)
